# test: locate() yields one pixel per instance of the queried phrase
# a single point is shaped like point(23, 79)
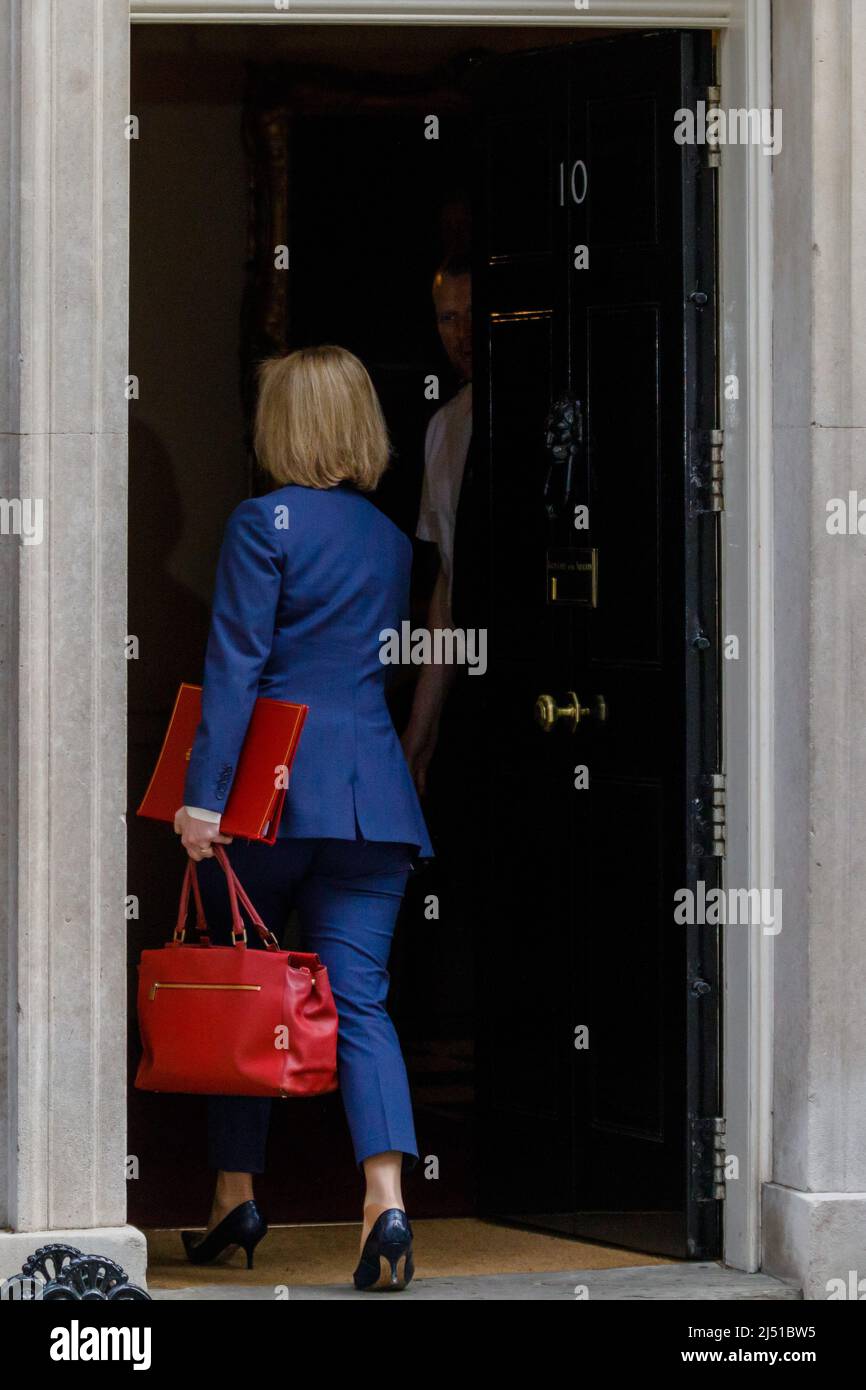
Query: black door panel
point(575, 149)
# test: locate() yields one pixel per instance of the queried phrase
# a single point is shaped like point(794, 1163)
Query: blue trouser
point(348, 894)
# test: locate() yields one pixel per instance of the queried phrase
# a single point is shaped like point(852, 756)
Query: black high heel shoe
point(386, 1261)
point(244, 1226)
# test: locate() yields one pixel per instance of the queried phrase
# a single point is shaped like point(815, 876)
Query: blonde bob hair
point(319, 421)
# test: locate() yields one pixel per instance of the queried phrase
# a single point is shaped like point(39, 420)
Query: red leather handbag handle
point(236, 890)
point(183, 908)
point(244, 897)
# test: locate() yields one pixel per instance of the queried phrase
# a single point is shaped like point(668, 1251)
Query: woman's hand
point(197, 836)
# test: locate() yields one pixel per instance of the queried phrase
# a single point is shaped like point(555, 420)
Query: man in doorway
point(447, 716)
point(446, 448)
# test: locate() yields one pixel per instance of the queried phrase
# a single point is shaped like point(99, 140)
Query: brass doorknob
point(548, 712)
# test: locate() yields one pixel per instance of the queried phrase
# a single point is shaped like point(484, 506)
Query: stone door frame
point(62, 771)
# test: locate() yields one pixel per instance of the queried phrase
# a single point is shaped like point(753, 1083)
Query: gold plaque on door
point(572, 576)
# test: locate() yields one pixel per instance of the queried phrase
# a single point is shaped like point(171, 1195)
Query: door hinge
point(709, 816)
point(707, 1145)
point(706, 471)
point(714, 151)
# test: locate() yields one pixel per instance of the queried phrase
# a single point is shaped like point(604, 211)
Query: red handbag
point(225, 1020)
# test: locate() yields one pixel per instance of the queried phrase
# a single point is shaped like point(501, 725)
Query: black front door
point(595, 399)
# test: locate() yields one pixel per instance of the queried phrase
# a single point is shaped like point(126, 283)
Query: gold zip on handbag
point(164, 984)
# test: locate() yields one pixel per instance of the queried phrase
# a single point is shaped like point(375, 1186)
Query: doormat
point(328, 1254)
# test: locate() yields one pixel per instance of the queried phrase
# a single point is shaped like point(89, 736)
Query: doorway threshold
point(323, 1256)
point(709, 1282)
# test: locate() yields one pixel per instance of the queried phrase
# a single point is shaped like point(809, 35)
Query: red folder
point(255, 803)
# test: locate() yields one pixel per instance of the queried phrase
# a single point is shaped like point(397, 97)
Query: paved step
point(703, 1282)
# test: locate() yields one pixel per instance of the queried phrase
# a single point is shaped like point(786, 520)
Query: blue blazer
point(307, 579)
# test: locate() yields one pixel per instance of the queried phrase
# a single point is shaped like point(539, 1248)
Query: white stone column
point(63, 415)
point(814, 1210)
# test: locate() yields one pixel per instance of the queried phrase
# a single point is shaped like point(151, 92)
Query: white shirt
point(201, 813)
point(446, 445)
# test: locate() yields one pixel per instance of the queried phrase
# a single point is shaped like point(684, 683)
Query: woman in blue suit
point(310, 577)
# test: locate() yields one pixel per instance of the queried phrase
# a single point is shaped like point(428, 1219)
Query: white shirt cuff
point(201, 813)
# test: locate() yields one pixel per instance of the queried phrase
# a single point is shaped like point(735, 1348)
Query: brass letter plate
point(572, 576)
